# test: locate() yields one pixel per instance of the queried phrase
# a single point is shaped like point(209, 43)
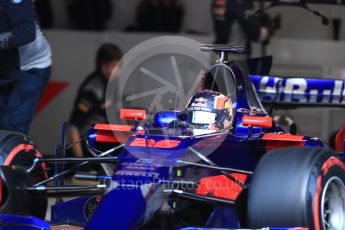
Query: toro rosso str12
point(222, 162)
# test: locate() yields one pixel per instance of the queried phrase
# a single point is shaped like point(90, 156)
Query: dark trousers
point(19, 94)
point(251, 28)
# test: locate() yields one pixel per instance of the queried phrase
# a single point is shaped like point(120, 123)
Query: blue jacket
point(19, 28)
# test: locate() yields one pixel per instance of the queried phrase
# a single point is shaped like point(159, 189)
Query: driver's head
point(210, 110)
point(108, 57)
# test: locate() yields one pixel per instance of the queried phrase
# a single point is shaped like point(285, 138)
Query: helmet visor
point(202, 117)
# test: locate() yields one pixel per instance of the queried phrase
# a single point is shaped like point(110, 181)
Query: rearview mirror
point(254, 121)
point(132, 114)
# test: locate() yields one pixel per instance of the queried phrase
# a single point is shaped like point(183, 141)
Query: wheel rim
point(333, 205)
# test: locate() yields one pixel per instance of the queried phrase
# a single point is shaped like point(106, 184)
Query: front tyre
point(298, 187)
point(19, 152)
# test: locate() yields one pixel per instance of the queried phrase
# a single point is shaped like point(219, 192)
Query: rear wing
point(297, 91)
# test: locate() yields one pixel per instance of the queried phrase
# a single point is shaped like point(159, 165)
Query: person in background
point(227, 13)
point(90, 106)
point(45, 13)
point(25, 64)
point(159, 16)
point(89, 14)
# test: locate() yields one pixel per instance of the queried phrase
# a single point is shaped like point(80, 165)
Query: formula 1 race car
point(222, 162)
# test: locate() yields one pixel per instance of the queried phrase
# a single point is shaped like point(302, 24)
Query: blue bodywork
point(154, 159)
point(151, 160)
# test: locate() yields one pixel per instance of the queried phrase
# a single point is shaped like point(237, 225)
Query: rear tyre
point(298, 187)
point(18, 150)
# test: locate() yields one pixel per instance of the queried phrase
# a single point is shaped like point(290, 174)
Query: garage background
point(302, 47)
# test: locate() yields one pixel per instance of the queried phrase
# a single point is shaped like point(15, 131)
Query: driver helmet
point(210, 110)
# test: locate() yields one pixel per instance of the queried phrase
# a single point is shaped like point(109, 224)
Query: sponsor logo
point(200, 102)
point(300, 90)
point(251, 112)
point(201, 99)
point(151, 143)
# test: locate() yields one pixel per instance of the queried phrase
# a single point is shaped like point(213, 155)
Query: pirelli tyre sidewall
point(298, 187)
point(18, 150)
point(332, 174)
